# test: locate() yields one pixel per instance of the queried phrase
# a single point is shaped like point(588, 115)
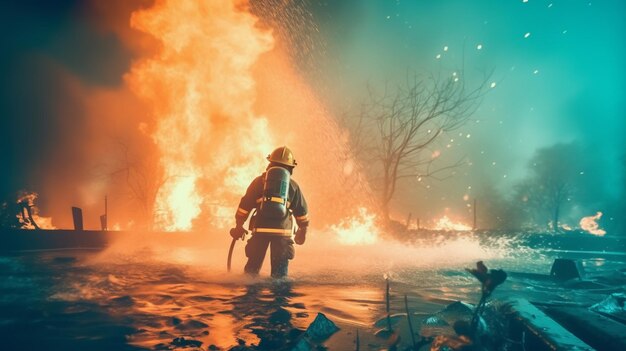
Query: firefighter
point(274, 199)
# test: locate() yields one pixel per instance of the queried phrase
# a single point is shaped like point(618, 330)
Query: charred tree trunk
point(555, 219)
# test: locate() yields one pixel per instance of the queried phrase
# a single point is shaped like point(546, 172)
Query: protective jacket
point(270, 226)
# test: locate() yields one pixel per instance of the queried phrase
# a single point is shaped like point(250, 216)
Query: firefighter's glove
point(238, 233)
point(300, 235)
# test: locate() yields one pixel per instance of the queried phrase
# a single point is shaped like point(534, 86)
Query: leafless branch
point(398, 125)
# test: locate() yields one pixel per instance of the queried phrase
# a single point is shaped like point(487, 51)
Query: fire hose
point(232, 247)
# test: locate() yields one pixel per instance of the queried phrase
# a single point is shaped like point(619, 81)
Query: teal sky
point(558, 68)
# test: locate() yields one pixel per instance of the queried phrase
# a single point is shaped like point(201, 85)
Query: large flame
point(590, 224)
point(215, 77)
point(201, 89)
point(358, 230)
point(446, 224)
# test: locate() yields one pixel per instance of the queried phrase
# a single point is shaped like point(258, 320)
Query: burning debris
point(590, 224)
point(446, 224)
point(28, 215)
point(358, 230)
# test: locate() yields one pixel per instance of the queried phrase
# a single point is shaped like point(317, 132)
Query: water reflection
point(133, 305)
point(262, 314)
point(264, 307)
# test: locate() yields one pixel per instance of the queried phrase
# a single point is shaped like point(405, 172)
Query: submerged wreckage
point(517, 324)
point(513, 323)
point(499, 324)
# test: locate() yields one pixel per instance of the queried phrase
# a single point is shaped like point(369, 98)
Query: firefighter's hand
point(300, 236)
point(238, 233)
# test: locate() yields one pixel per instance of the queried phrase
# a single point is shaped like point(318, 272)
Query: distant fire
point(446, 224)
point(359, 230)
point(28, 215)
point(590, 224)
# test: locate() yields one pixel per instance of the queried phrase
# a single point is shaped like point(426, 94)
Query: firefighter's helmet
point(282, 155)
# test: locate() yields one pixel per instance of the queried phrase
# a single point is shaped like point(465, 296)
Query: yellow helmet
point(282, 155)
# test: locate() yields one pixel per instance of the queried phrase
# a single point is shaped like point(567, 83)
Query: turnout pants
point(281, 251)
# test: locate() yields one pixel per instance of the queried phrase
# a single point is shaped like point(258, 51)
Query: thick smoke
point(55, 62)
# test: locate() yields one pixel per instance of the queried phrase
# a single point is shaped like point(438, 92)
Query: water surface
point(143, 299)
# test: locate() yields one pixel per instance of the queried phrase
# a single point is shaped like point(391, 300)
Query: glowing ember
point(445, 223)
point(359, 230)
point(201, 90)
point(590, 224)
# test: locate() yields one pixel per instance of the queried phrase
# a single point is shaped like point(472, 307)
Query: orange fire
point(201, 91)
point(590, 224)
point(28, 199)
point(446, 224)
point(358, 230)
point(223, 93)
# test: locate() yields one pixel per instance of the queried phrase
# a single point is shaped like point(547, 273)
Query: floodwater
point(147, 297)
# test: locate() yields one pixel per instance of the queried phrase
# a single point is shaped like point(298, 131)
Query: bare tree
point(139, 174)
point(397, 129)
point(558, 191)
point(541, 200)
point(144, 178)
point(551, 183)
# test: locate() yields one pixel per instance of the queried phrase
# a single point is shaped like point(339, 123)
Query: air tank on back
point(275, 193)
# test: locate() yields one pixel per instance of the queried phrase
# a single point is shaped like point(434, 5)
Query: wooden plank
point(541, 332)
point(597, 330)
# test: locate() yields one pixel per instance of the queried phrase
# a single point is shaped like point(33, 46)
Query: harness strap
point(274, 231)
point(280, 200)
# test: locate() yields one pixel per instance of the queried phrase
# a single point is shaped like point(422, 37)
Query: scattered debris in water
point(321, 329)
point(614, 304)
